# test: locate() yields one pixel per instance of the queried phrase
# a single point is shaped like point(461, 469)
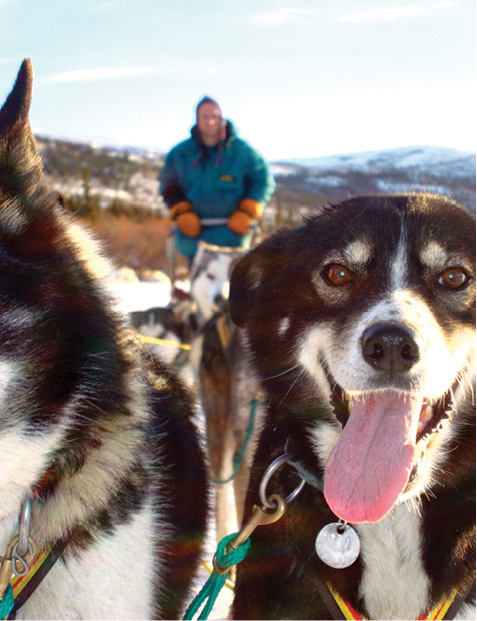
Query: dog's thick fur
point(82, 403)
point(371, 302)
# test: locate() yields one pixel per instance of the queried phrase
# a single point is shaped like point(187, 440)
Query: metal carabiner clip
point(24, 528)
point(24, 549)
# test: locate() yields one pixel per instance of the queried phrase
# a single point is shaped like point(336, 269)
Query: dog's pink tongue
point(370, 465)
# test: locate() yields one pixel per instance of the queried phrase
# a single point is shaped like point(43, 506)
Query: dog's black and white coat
point(102, 437)
point(361, 327)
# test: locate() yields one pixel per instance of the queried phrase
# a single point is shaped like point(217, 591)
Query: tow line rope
point(7, 603)
point(228, 583)
point(223, 561)
point(238, 457)
point(234, 548)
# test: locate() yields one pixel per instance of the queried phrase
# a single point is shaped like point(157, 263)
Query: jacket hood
point(230, 134)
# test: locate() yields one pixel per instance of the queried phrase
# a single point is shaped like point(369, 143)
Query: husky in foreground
point(361, 327)
point(100, 458)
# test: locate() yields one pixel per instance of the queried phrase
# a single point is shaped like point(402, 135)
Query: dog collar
point(20, 587)
point(314, 480)
point(24, 564)
point(438, 612)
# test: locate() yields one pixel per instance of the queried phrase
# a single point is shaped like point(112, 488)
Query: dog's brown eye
point(453, 278)
point(338, 275)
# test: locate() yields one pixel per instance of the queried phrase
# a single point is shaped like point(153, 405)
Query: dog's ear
point(260, 281)
point(27, 208)
point(18, 153)
point(14, 115)
point(246, 287)
point(235, 259)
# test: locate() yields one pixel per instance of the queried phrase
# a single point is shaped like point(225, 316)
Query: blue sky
point(299, 78)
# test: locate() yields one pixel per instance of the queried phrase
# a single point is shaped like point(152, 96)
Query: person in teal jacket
point(214, 174)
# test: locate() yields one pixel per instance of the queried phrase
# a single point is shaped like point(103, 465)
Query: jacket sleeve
point(259, 180)
point(169, 184)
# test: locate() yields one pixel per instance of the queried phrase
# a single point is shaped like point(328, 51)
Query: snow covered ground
point(139, 296)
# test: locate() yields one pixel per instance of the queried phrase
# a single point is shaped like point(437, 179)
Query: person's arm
point(169, 185)
point(259, 180)
point(260, 186)
point(175, 198)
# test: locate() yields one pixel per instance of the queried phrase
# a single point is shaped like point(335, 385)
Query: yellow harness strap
point(165, 342)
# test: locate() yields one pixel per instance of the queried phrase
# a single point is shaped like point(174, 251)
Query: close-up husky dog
point(96, 439)
point(361, 327)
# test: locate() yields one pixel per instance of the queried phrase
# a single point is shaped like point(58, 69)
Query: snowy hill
point(111, 175)
point(434, 169)
point(451, 161)
point(126, 175)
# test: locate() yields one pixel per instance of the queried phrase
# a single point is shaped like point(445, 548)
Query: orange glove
point(187, 221)
point(239, 222)
point(247, 210)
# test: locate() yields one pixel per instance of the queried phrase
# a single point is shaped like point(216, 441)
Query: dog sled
point(172, 256)
point(169, 329)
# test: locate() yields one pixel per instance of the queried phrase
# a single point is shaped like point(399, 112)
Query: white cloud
point(389, 13)
point(100, 73)
point(169, 67)
point(282, 15)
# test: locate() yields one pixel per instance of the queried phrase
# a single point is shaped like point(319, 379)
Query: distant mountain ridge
point(434, 169)
point(452, 161)
point(128, 174)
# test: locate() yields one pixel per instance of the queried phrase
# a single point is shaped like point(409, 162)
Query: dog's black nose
point(389, 347)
